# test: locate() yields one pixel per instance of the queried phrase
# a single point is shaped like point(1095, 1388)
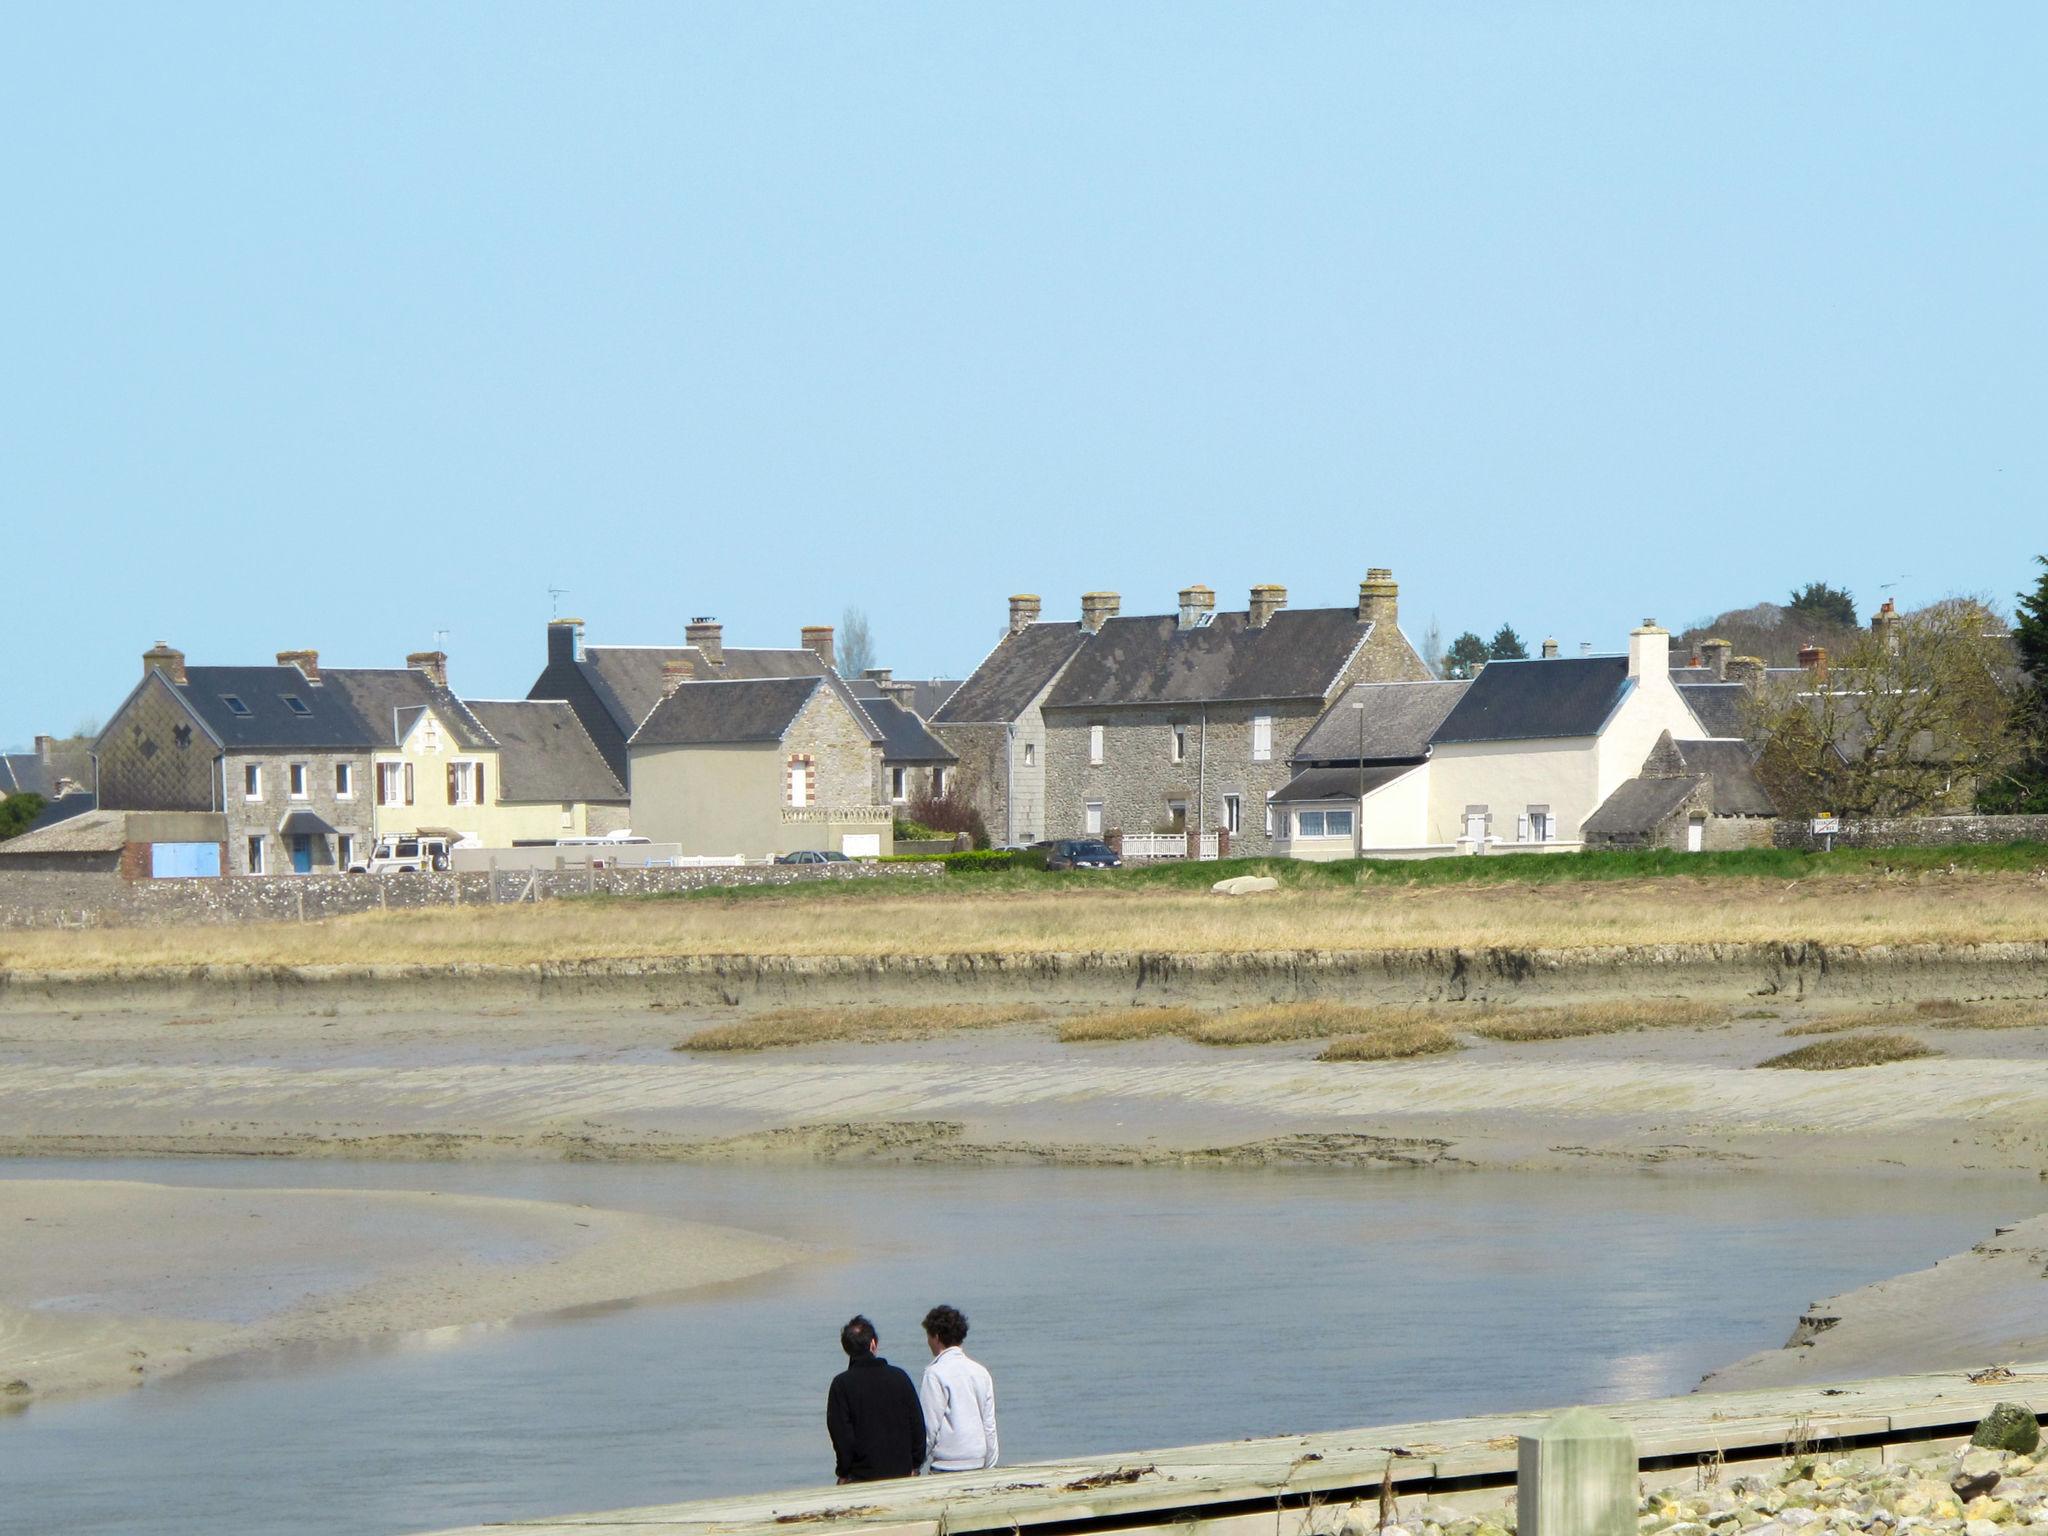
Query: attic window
point(235, 705)
point(296, 705)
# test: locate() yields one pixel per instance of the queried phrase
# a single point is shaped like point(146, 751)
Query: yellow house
point(500, 772)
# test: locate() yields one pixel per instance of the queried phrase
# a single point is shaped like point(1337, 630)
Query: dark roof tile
point(1015, 673)
point(1537, 700)
point(1298, 654)
point(1399, 719)
point(727, 712)
point(545, 754)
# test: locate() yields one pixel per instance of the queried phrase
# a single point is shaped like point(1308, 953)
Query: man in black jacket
point(872, 1411)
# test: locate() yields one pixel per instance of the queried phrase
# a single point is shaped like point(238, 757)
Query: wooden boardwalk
point(1299, 1484)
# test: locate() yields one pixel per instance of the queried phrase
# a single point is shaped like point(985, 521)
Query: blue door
point(302, 853)
point(173, 861)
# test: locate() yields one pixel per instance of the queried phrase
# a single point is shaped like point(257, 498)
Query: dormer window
point(296, 705)
point(235, 705)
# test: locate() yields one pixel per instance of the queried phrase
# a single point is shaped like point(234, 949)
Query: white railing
point(812, 815)
point(1166, 845)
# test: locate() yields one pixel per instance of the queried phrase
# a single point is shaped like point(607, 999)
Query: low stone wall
point(1917, 832)
point(45, 899)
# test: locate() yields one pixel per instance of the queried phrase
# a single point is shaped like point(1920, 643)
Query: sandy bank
point(1982, 1308)
point(109, 1283)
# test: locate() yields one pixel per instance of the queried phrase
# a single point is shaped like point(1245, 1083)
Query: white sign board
point(1826, 826)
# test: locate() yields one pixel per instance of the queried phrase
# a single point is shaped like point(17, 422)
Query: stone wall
point(351, 816)
point(1917, 832)
point(47, 899)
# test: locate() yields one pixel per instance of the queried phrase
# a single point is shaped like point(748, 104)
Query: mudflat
point(107, 1283)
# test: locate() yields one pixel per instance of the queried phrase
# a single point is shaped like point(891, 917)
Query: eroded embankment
point(1795, 969)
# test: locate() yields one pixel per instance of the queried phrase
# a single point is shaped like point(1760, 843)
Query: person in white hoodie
point(959, 1398)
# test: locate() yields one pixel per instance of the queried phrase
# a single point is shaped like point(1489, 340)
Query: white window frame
point(256, 859)
point(1262, 738)
point(344, 850)
point(344, 781)
point(1233, 813)
point(1177, 742)
point(252, 781)
point(938, 781)
point(465, 781)
point(1537, 825)
point(1341, 814)
point(1091, 818)
point(1269, 810)
point(390, 783)
point(799, 783)
point(1030, 754)
point(297, 781)
point(899, 785)
point(1095, 746)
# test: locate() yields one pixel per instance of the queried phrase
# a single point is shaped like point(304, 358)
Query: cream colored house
point(759, 767)
point(1533, 748)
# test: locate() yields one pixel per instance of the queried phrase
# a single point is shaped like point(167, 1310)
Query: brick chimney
point(1649, 650)
point(1746, 669)
point(1814, 658)
point(1267, 600)
point(818, 641)
point(877, 674)
point(433, 663)
point(674, 673)
point(1378, 598)
point(1196, 603)
point(1885, 625)
point(308, 663)
point(565, 641)
point(1550, 649)
point(1024, 610)
point(1097, 608)
point(166, 659)
point(1715, 653)
point(706, 636)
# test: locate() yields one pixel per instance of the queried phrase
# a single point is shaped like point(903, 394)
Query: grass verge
point(1840, 1052)
point(819, 1026)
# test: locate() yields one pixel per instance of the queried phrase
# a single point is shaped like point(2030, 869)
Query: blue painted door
point(173, 861)
point(302, 853)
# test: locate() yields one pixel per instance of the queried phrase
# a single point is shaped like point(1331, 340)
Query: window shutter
point(408, 783)
point(1522, 829)
point(479, 770)
point(451, 783)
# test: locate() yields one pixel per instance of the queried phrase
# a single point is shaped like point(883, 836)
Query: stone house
point(613, 688)
point(914, 763)
point(994, 722)
point(1163, 722)
point(1533, 748)
point(758, 767)
point(282, 756)
point(1360, 783)
point(1690, 796)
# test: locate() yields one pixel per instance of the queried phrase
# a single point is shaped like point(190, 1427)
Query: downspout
point(1201, 780)
point(1010, 783)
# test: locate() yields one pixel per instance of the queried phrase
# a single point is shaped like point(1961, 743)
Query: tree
point(1819, 603)
point(2030, 633)
point(856, 648)
point(2024, 790)
point(1465, 655)
point(1506, 645)
point(1433, 647)
point(1910, 728)
point(17, 812)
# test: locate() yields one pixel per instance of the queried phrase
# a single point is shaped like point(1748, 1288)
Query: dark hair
point(856, 1336)
point(946, 1324)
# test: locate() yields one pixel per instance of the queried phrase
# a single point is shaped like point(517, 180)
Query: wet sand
point(107, 1283)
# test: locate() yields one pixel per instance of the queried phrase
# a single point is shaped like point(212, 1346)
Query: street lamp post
point(1358, 811)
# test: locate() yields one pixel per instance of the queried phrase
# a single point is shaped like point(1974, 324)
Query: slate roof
point(1730, 767)
point(1637, 806)
point(23, 773)
point(330, 722)
point(89, 832)
point(1400, 718)
point(1298, 654)
point(927, 693)
point(1012, 675)
point(727, 712)
point(1538, 700)
point(389, 700)
point(904, 737)
point(1338, 783)
point(628, 678)
point(1717, 706)
point(63, 808)
point(544, 754)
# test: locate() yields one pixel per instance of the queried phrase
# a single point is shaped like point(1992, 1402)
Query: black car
point(811, 856)
point(1080, 853)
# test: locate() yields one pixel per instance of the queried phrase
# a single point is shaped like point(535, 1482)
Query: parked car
point(812, 856)
point(403, 856)
point(1079, 853)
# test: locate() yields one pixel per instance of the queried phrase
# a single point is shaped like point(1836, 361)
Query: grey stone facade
point(260, 817)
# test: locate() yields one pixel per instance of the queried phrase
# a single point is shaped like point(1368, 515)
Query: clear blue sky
point(341, 325)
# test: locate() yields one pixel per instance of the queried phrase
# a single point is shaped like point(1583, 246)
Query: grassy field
point(1948, 896)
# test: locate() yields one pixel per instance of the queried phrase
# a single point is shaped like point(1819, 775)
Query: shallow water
point(1118, 1309)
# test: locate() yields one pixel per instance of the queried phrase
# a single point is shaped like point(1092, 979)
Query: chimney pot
point(818, 641)
point(1746, 669)
point(674, 673)
point(1550, 649)
point(433, 663)
point(1885, 624)
point(167, 659)
point(1195, 601)
point(1379, 598)
point(308, 663)
point(1097, 608)
point(1024, 611)
point(1715, 653)
point(706, 636)
point(1267, 600)
point(1814, 658)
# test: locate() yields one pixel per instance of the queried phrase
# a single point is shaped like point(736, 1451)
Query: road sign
point(1825, 825)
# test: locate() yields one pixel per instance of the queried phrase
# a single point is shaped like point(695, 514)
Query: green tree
point(1817, 602)
point(16, 812)
point(2030, 634)
point(1506, 645)
point(1465, 655)
point(2024, 790)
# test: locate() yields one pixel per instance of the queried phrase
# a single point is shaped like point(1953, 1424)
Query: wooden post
point(1576, 1476)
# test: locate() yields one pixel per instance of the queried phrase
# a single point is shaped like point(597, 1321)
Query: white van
point(403, 855)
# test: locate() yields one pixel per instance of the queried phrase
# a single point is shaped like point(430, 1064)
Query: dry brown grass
point(1967, 907)
point(1840, 1052)
point(1129, 1024)
point(1274, 1023)
point(820, 1026)
point(1613, 1018)
point(2024, 1013)
point(1392, 1041)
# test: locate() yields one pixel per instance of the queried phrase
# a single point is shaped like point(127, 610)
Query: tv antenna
point(555, 596)
point(441, 639)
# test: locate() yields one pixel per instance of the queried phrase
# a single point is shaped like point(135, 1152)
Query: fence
point(1166, 845)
